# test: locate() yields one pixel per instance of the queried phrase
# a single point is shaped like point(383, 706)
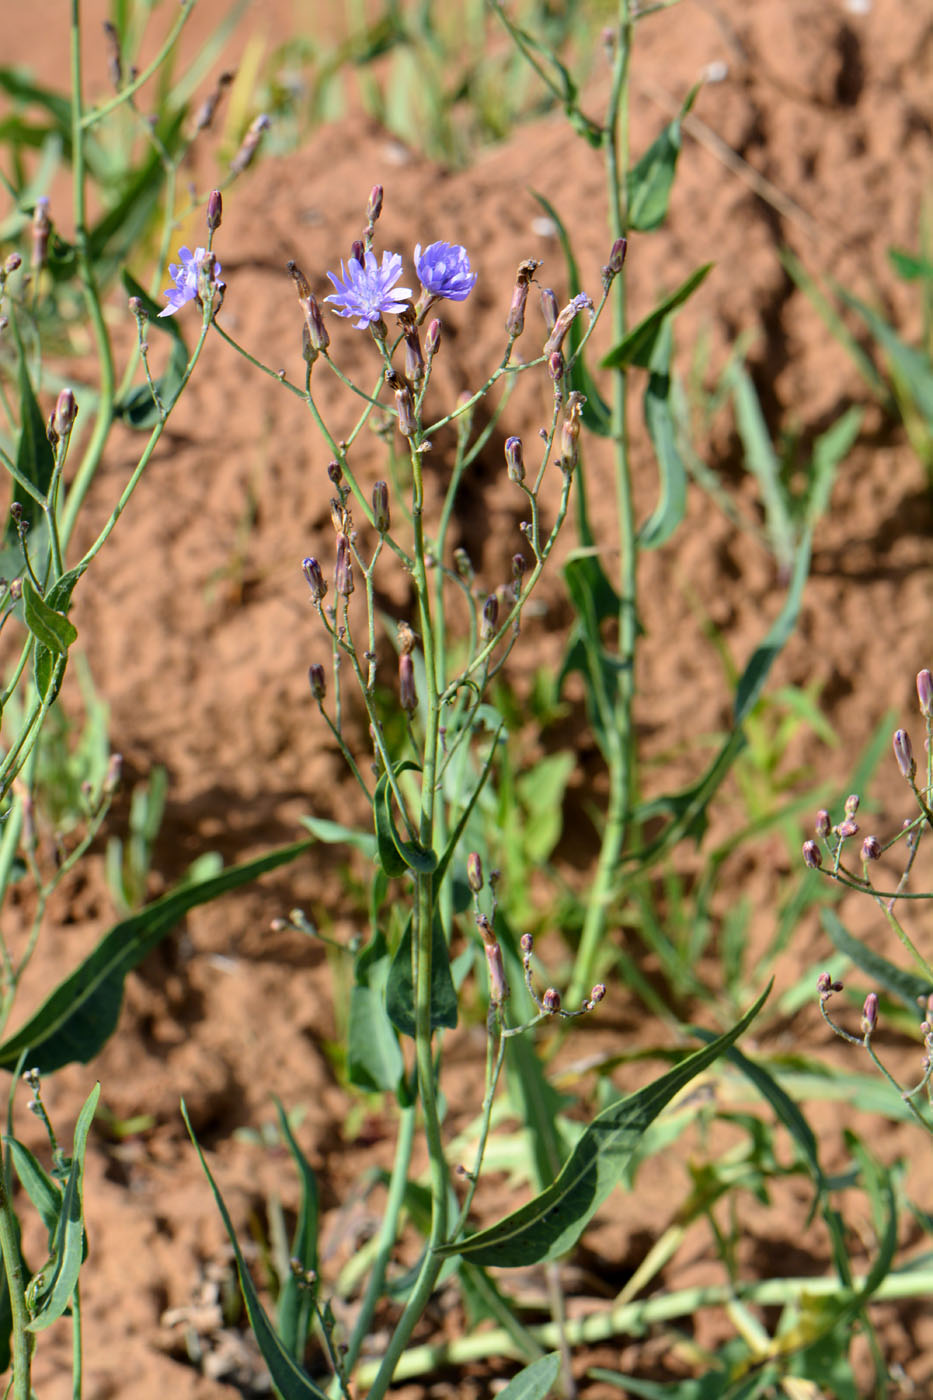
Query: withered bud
point(250, 144)
point(113, 774)
point(852, 804)
point(871, 848)
point(551, 1001)
point(846, 829)
point(527, 944)
point(811, 855)
point(432, 340)
point(317, 331)
point(407, 695)
point(41, 228)
point(338, 516)
point(14, 261)
point(498, 982)
point(565, 320)
point(490, 617)
point(208, 108)
point(463, 564)
point(925, 692)
point(317, 680)
point(343, 568)
point(474, 872)
point(302, 285)
point(407, 638)
point(485, 928)
point(519, 566)
point(515, 459)
point(405, 408)
point(555, 366)
point(548, 308)
point(570, 433)
point(870, 1013)
point(904, 753)
point(66, 411)
point(374, 205)
point(335, 473)
point(381, 506)
point(215, 211)
point(414, 359)
point(114, 60)
point(312, 572)
point(515, 322)
point(823, 823)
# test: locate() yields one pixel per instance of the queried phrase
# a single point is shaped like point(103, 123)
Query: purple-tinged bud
point(614, 266)
point(338, 516)
point(598, 992)
point(846, 829)
point(551, 1001)
point(215, 211)
point(66, 411)
point(515, 322)
point(870, 1013)
point(113, 774)
point(357, 250)
point(13, 262)
point(408, 696)
point(555, 366)
point(41, 228)
point(249, 145)
point(381, 507)
point(312, 572)
point(137, 309)
point(570, 432)
point(581, 302)
point(824, 984)
point(519, 566)
point(925, 692)
point(823, 823)
point(317, 330)
point(317, 680)
point(433, 339)
point(474, 872)
point(406, 411)
point(515, 459)
point(490, 617)
point(548, 308)
point(527, 944)
point(904, 753)
point(871, 848)
point(498, 982)
point(414, 359)
point(335, 473)
point(852, 802)
point(811, 855)
point(374, 206)
point(343, 568)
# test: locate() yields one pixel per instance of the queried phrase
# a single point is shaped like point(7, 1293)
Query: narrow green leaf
point(400, 989)
point(551, 1224)
point(651, 178)
point(287, 1376)
point(334, 834)
point(910, 364)
point(295, 1308)
point(374, 1058)
point(909, 266)
point(828, 451)
point(44, 1193)
point(535, 1382)
point(49, 671)
point(659, 420)
point(52, 629)
point(390, 858)
point(905, 987)
point(761, 460)
point(35, 460)
point(637, 347)
point(50, 1300)
point(77, 1018)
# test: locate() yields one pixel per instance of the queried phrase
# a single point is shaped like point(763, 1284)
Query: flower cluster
point(366, 288)
point(185, 274)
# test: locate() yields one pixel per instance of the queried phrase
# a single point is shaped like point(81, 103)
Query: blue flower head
point(367, 289)
point(444, 270)
point(185, 274)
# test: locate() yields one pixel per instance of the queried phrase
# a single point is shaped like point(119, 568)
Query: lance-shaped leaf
point(659, 420)
point(551, 1224)
point(75, 1021)
point(49, 627)
point(651, 178)
point(637, 347)
point(400, 988)
point(535, 1382)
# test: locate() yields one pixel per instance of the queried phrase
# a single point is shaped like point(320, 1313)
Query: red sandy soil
point(199, 635)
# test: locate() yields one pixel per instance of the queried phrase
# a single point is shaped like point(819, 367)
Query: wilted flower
point(185, 274)
point(444, 270)
point(367, 289)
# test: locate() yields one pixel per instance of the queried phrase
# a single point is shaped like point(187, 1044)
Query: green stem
point(16, 1289)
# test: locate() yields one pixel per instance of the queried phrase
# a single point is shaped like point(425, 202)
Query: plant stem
point(16, 1288)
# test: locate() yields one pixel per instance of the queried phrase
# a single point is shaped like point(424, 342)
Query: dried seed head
point(343, 568)
point(904, 753)
point(870, 1013)
point(312, 572)
point(474, 872)
point(570, 432)
point(302, 285)
point(811, 855)
point(515, 459)
point(925, 692)
point(408, 697)
point(823, 823)
point(381, 519)
point(405, 408)
point(871, 848)
point(407, 637)
point(215, 210)
point(551, 1001)
point(515, 322)
point(317, 680)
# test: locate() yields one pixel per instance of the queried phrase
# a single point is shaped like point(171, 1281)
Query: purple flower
point(185, 275)
point(444, 270)
point(366, 289)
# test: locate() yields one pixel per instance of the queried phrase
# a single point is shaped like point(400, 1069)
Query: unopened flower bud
point(871, 848)
point(823, 823)
point(343, 568)
point(614, 265)
point(474, 872)
point(408, 697)
point(490, 617)
point(811, 855)
point(925, 692)
point(548, 308)
point(904, 753)
point(515, 459)
point(518, 568)
point(569, 438)
point(317, 330)
point(381, 507)
point(824, 983)
point(41, 229)
point(335, 473)
point(527, 943)
point(870, 1013)
point(463, 564)
point(357, 250)
point(406, 411)
point(250, 144)
point(13, 262)
point(312, 572)
point(113, 774)
point(852, 802)
point(598, 992)
point(215, 210)
point(846, 829)
point(551, 1001)
point(414, 359)
point(317, 680)
point(66, 411)
point(374, 205)
point(498, 982)
point(555, 366)
point(433, 339)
